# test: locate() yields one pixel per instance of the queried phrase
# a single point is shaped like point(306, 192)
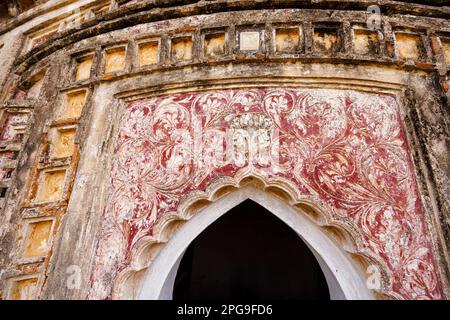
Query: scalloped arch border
point(129, 281)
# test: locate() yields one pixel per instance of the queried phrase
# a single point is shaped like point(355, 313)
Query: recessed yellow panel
point(365, 41)
point(287, 40)
point(115, 60)
point(326, 40)
point(446, 48)
point(74, 104)
point(409, 46)
point(148, 53)
point(84, 66)
point(51, 186)
point(181, 49)
point(37, 240)
point(215, 44)
point(63, 143)
point(24, 289)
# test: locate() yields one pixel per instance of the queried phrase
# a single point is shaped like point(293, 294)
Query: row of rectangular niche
point(214, 43)
point(51, 183)
point(51, 188)
point(38, 237)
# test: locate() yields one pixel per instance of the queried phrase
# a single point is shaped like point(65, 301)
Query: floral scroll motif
point(346, 148)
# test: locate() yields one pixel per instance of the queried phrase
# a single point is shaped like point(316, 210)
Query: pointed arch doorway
point(249, 254)
point(343, 278)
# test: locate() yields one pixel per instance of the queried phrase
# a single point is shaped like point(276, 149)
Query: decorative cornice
point(158, 10)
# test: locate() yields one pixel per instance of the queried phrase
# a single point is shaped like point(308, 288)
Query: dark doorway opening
point(249, 254)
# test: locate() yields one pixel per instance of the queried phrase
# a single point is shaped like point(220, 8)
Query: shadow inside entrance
point(249, 254)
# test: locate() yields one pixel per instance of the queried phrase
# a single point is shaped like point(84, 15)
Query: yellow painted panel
point(215, 45)
point(24, 289)
point(115, 60)
point(51, 186)
point(84, 69)
point(326, 41)
point(365, 41)
point(148, 53)
point(37, 240)
point(409, 46)
point(63, 144)
point(287, 40)
point(446, 48)
point(182, 49)
point(74, 104)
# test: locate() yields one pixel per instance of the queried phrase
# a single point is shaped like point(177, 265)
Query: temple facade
point(182, 149)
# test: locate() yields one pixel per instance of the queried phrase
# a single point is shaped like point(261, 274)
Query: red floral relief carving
point(344, 147)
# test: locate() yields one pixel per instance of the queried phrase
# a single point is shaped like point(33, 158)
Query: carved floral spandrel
point(346, 148)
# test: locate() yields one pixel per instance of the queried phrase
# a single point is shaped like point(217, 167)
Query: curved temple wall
point(344, 151)
point(123, 120)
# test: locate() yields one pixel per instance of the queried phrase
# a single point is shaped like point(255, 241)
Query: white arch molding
point(344, 279)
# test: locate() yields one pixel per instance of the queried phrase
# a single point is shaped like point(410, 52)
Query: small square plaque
point(249, 41)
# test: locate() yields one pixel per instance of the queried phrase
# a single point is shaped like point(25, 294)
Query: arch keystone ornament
point(332, 164)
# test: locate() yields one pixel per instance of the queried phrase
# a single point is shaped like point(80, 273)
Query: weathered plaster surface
point(345, 148)
point(40, 50)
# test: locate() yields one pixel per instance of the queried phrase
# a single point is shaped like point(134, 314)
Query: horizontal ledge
point(254, 82)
